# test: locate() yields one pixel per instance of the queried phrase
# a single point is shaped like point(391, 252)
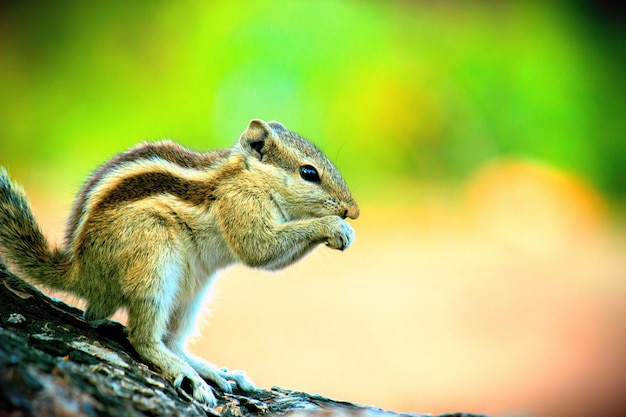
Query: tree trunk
point(53, 363)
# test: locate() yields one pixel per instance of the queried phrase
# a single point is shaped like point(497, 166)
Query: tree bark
point(53, 363)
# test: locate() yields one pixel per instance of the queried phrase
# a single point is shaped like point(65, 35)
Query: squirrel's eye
point(309, 173)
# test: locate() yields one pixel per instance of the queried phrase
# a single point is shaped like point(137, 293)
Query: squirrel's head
point(300, 178)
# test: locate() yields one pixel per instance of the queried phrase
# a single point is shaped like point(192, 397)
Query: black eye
point(309, 173)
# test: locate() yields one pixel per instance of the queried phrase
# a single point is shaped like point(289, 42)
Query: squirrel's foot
point(192, 383)
point(185, 378)
point(222, 378)
point(241, 380)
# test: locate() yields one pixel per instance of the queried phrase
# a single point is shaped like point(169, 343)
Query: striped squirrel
point(151, 227)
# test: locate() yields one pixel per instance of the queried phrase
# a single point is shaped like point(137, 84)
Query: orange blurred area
point(508, 301)
point(534, 206)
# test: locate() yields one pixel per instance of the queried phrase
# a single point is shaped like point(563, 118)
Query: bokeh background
point(483, 140)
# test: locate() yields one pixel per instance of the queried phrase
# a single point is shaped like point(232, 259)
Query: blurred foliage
point(420, 90)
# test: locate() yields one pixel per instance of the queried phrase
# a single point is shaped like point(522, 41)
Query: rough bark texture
point(52, 363)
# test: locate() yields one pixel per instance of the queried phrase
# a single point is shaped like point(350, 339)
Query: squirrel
point(151, 227)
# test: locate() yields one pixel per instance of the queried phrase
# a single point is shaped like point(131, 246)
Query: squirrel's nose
point(352, 212)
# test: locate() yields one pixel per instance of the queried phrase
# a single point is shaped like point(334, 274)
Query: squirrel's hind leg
point(146, 325)
point(181, 325)
point(152, 301)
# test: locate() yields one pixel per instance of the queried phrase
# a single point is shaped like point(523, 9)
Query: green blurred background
point(421, 90)
point(434, 111)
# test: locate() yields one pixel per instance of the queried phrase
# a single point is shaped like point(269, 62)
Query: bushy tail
point(23, 244)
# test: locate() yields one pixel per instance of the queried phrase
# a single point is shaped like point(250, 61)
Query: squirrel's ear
point(254, 139)
point(277, 126)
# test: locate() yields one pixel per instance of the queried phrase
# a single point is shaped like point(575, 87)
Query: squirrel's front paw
point(341, 234)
